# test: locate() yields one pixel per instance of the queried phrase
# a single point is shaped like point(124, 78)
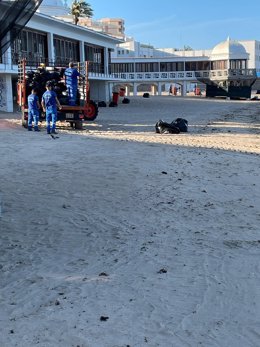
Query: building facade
point(48, 40)
point(143, 65)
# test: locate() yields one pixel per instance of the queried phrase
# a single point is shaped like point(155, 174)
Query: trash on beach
point(102, 104)
point(182, 124)
point(126, 101)
point(175, 127)
point(162, 127)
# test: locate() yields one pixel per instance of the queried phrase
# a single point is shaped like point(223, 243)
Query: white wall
point(253, 48)
point(99, 91)
point(6, 95)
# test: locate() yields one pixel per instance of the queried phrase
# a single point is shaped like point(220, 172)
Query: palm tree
point(81, 8)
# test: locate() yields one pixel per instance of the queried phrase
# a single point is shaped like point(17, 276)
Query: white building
point(134, 49)
point(141, 64)
point(111, 26)
point(253, 49)
point(46, 39)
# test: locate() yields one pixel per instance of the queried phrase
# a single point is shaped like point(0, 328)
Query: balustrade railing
point(185, 75)
point(146, 76)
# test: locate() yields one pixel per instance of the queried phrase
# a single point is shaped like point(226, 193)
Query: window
point(65, 50)
point(171, 66)
point(95, 55)
point(31, 45)
point(122, 67)
point(219, 65)
point(196, 66)
point(147, 67)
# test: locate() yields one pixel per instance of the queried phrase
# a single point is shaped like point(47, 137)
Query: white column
point(8, 57)
point(81, 51)
point(6, 93)
point(135, 89)
point(50, 44)
point(160, 88)
point(184, 88)
point(153, 90)
point(111, 86)
point(127, 90)
point(106, 62)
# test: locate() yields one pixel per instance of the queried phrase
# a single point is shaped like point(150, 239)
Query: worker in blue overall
point(33, 110)
point(49, 105)
point(71, 81)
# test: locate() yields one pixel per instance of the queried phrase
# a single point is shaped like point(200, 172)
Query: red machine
point(85, 110)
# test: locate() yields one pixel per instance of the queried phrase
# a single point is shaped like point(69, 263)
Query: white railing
point(6, 64)
point(146, 76)
point(231, 73)
point(185, 75)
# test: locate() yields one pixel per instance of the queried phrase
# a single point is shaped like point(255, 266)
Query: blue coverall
point(33, 112)
point(49, 98)
point(71, 79)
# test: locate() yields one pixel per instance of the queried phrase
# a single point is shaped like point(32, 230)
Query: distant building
point(134, 49)
point(253, 49)
point(111, 26)
point(230, 63)
point(131, 48)
point(229, 73)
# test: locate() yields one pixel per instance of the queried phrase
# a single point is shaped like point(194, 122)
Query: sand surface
point(115, 236)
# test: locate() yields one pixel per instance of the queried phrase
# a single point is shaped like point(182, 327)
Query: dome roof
point(229, 49)
point(52, 3)
point(54, 7)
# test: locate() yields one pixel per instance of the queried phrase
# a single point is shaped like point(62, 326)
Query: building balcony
point(155, 76)
point(227, 74)
point(186, 75)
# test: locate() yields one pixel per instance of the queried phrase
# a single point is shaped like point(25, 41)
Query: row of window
point(122, 51)
point(33, 46)
point(177, 66)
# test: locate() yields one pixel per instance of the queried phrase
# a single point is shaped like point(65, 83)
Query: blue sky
point(169, 23)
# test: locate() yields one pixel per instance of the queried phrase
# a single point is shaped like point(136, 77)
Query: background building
point(143, 66)
point(48, 40)
point(111, 26)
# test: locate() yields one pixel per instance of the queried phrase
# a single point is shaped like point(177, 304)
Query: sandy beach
point(115, 236)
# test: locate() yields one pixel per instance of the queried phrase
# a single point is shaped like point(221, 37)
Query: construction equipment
point(31, 77)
